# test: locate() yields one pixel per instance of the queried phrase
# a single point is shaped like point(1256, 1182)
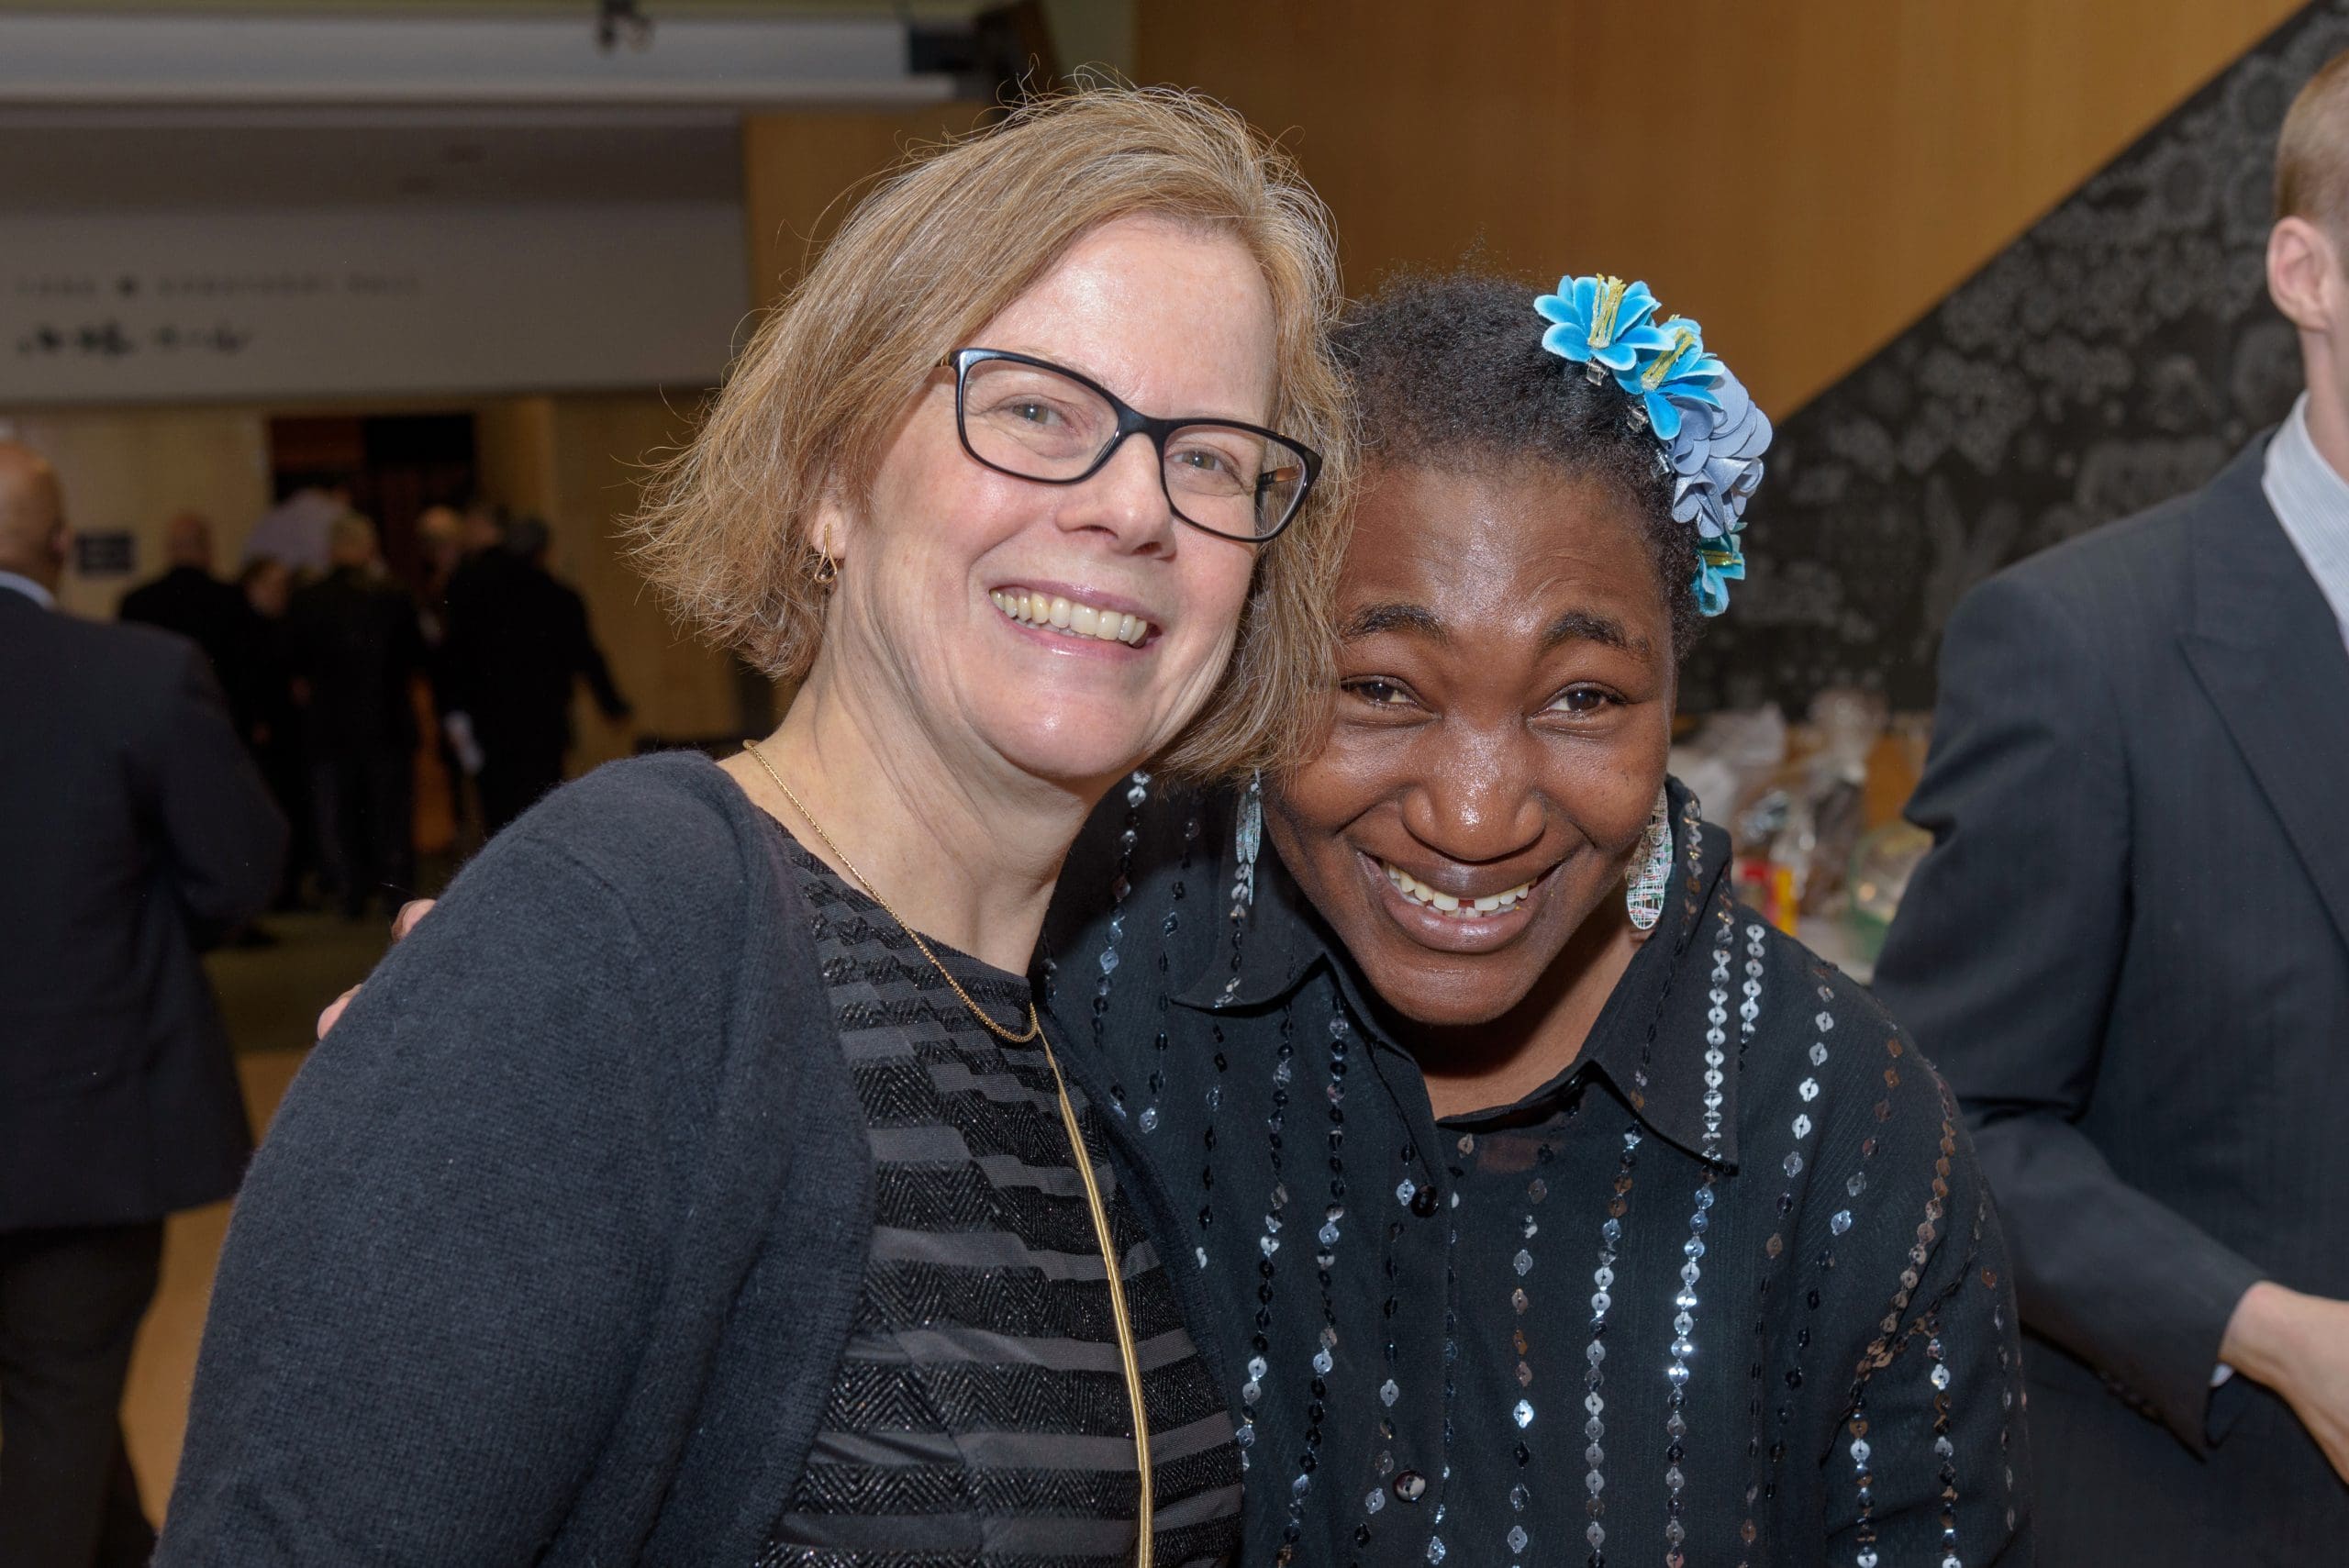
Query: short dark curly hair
point(1448, 371)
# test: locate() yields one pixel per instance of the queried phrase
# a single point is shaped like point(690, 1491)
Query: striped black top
point(979, 1413)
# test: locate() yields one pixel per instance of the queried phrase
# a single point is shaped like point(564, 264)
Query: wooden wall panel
point(1805, 176)
point(679, 686)
point(129, 470)
point(803, 170)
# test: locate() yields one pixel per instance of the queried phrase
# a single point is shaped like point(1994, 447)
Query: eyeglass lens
point(1039, 424)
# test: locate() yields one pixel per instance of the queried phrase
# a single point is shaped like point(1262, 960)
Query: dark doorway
point(394, 465)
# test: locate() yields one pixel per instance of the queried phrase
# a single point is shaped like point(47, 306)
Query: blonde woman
point(698, 1186)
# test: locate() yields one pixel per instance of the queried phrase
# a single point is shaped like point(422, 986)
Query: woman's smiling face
point(1505, 687)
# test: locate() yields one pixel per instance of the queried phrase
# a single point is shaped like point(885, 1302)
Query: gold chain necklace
point(1128, 1354)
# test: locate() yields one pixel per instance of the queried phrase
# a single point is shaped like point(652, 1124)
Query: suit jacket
point(133, 828)
point(358, 643)
point(215, 617)
point(517, 640)
point(2129, 953)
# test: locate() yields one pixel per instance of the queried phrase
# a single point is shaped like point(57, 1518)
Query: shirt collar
point(30, 589)
point(2311, 501)
point(1648, 1043)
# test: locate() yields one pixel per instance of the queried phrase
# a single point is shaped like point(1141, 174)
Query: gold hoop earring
point(825, 572)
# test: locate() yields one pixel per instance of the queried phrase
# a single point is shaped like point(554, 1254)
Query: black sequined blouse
point(1730, 1291)
point(979, 1414)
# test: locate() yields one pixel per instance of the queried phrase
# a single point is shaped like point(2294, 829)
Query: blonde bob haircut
point(931, 255)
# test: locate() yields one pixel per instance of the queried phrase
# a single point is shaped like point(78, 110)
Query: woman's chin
point(1074, 752)
point(1452, 993)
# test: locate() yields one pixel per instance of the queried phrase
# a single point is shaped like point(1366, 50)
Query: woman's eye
point(1379, 694)
point(1582, 700)
point(1033, 412)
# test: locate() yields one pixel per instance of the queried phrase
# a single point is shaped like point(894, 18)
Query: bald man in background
point(134, 830)
point(188, 599)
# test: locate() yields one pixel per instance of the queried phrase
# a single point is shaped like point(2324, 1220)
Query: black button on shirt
point(1728, 1291)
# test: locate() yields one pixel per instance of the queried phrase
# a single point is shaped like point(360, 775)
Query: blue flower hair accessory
point(1710, 435)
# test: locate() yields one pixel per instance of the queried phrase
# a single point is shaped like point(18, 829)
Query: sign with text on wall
point(151, 306)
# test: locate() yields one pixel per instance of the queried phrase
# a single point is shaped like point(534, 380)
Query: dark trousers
point(70, 1304)
point(365, 800)
point(513, 776)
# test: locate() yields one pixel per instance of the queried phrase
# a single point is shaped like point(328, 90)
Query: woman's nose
point(1476, 802)
point(1126, 498)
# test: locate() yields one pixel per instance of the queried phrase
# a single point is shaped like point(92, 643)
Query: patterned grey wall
point(2115, 355)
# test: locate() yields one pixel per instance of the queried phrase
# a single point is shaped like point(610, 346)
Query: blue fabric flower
point(1719, 562)
point(1677, 376)
point(1600, 321)
point(1710, 435)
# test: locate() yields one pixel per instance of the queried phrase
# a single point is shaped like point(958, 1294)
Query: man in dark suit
point(2129, 953)
point(213, 615)
point(518, 640)
point(358, 647)
point(133, 829)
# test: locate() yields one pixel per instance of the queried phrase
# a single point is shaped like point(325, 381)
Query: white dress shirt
point(2312, 503)
point(30, 589)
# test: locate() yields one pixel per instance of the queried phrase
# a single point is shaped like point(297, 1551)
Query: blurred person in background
point(518, 640)
point(2129, 951)
point(134, 830)
point(357, 646)
point(440, 539)
point(188, 599)
point(267, 585)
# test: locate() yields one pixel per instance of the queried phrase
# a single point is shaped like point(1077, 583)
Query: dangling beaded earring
point(1252, 838)
point(1650, 869)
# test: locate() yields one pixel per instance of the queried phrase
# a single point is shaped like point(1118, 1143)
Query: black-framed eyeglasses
point(1032, 419)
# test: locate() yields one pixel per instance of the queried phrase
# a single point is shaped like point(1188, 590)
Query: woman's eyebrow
point(1372, 620)
point(1585, 626)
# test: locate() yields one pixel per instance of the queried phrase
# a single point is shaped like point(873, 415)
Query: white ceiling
point(109, 111)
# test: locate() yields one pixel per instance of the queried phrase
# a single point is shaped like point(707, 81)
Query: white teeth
point(1076, 619)
point(1418, 892)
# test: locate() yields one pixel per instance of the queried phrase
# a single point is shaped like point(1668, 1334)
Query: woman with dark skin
point(1532, 1235)
point(1536, 1236)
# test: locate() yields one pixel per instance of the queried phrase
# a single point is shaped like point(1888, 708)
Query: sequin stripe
point(1016, 1303)
point(1890, 1339)
point(1716, 1039)
point(1214, 1096)
point(1944, 1449)
point(2006, 1366)
point(899, 1395)
point(1602, 1280)
point(1521, 1497)
point(1467, 1149)
point(1864, 1485)
point(880, 1491)
point(1171, 923)
point(1137, 792)
point(1676, 1375)
point(1325, 1259)
point(1269, 1242)
point(1389, 1391)
point(1801, 1128)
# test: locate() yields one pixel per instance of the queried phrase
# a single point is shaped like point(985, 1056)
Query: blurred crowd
point(353, 690)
